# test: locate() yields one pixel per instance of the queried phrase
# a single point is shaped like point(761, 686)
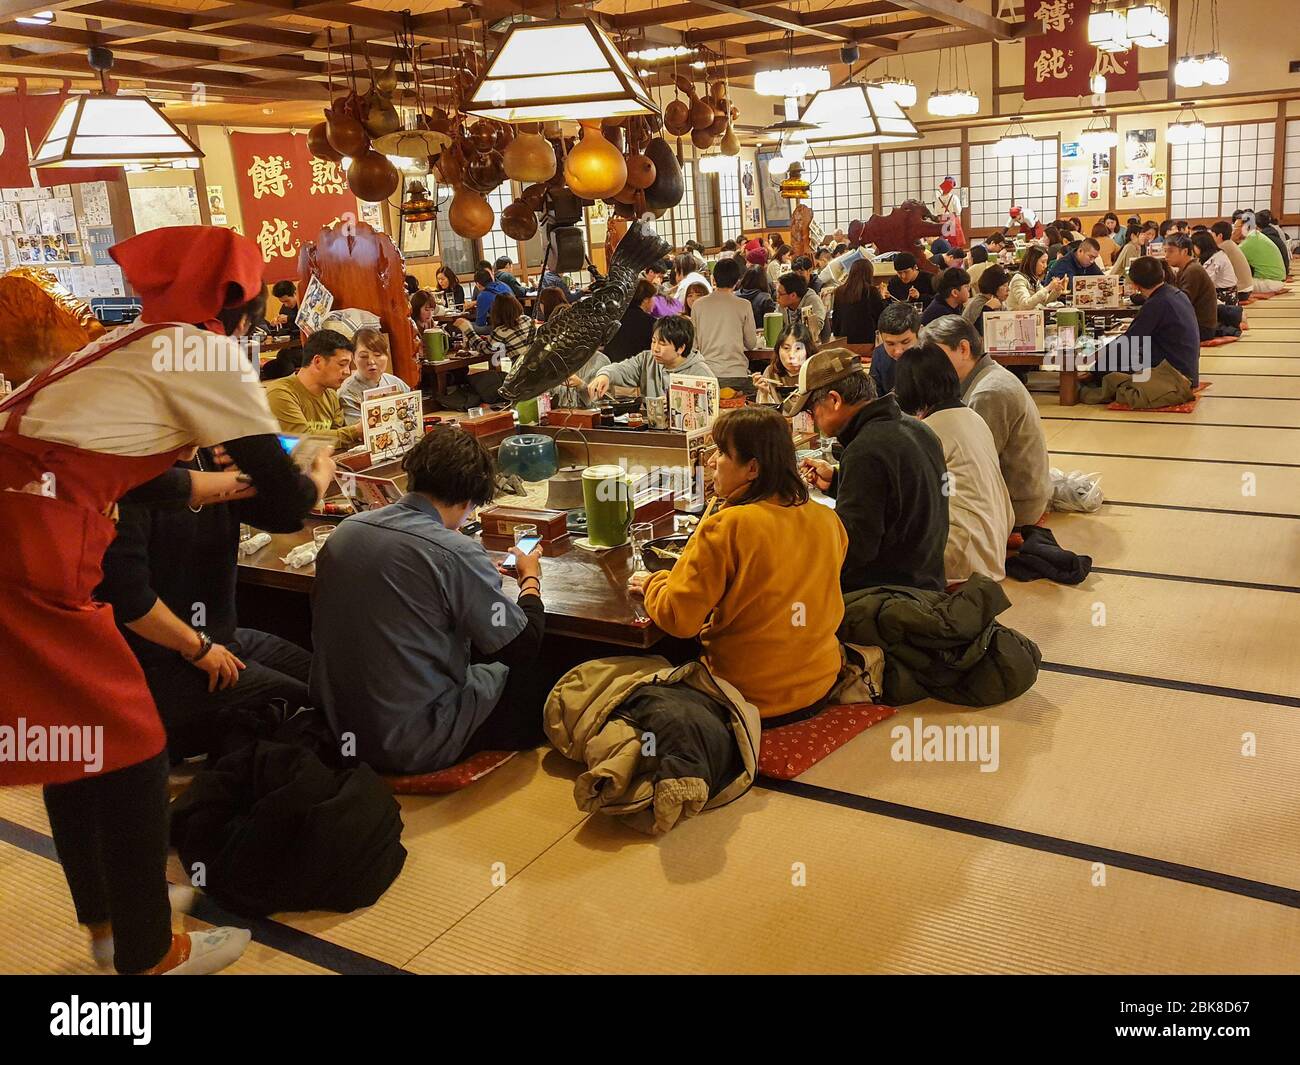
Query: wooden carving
point(363, 269)
point(901, 230)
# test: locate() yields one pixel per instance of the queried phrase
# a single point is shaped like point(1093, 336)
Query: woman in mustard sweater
point(759, 581)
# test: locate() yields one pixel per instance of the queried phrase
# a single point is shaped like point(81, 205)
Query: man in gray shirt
point(419, 653)
point(724, 324)
point(997, 395)
point(672, 350)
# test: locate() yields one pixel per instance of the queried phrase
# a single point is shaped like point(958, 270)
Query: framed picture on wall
point(776, 211)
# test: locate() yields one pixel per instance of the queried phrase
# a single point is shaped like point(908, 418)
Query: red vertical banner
point(1059, 61)
point(287, 196)
point(14, 170)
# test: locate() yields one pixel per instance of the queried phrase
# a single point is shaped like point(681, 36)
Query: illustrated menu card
point(391, 424)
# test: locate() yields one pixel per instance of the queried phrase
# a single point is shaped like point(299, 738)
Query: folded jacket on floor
point(943, 646)
point(1165, 387)
point(272, 829)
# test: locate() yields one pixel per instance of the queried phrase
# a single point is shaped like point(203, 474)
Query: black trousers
point(110, 832)
point(515, 723)
point(195, 717)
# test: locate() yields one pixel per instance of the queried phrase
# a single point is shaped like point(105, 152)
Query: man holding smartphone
point(419, 652)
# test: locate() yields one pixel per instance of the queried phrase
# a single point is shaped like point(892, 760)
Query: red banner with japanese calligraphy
point(287, 196)
point(1059, 61)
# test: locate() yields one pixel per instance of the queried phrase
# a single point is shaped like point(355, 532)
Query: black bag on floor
point(270, 828)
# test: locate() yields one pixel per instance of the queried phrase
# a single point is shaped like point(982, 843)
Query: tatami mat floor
point(1142, 816)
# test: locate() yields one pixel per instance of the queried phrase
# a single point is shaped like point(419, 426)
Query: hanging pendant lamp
point(105, 129)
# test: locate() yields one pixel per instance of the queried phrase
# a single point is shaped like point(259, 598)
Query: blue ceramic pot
point(530, 456)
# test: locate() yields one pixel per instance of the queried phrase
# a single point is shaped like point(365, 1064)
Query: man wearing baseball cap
point(888, 489)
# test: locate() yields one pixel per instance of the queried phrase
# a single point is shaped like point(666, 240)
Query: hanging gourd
point(594, 169)
point(529, 158)
point(470, 215)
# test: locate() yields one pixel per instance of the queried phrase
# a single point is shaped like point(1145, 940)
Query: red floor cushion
point(453, 778)
point(1218, 342)
point(789, 750)
point(1176, 408)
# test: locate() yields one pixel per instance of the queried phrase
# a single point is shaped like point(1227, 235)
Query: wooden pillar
point(965, 176)
point(1275, 199)
point(877, 194)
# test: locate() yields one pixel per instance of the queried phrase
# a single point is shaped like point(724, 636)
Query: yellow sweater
point(300, 413)
point(760, 585)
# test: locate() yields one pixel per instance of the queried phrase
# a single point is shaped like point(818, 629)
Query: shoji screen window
point(1247, 166)
point(682, 217)
point(937, 164)
point(729, 201)
point(496, 243)
point(1232, 168)
point(998, 182)
point(1195, 177)
point(900, 178)
point(1291, 175)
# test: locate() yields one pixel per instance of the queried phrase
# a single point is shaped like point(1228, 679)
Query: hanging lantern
point(1147, 25)
point(792, 81)
point(953, 103)
point(1108, 31)
point(1189, 72)
point(1214, 69)
point(1186, 131)
point(901, 90)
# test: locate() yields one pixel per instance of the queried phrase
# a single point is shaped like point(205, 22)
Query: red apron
point(74, 697)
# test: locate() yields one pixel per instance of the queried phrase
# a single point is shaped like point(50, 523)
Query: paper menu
point(1105, 291)
point(692, 401)
point(94, 204)
point(317, 301)
point(391, 424)
point(1011, 332)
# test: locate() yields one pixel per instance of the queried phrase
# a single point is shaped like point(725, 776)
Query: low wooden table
point(449, 368)
point(585, 593)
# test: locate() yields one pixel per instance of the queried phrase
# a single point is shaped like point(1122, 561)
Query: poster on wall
point(154, 208)
point(1137, 184)
point(217, 205)
point(1139, 148)
point(776, 211)
point(287, 196)
point(1069, 149)
point(1059, 61)
point(1074, 187)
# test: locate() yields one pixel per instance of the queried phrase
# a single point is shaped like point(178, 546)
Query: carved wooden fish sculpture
point(564, 343)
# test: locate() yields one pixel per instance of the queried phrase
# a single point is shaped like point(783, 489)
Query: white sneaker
point(181, 897)
point(211, 950)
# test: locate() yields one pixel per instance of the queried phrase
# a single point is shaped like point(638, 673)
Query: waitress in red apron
point(77, 716)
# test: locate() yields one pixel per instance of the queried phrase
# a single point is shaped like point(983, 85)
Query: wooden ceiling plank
point(955, 13)
point(779, 18)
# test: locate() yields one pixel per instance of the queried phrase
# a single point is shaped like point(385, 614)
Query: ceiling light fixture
point(792, 81)
point(38, 18)
point(555, 71)
point(1108, 30)
point(657, 55)
point(953, 102)
point(1016, 141)
point(717, 163)
point(857, 113)
point(1190, 130)
point(104, 129)
point(1097, 137)
point(1146, 25)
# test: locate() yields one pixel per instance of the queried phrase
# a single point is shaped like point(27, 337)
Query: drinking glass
point(320, 534)
point(522, 532)
point(640, 534)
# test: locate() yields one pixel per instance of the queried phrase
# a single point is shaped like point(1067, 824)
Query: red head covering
point(182, 273)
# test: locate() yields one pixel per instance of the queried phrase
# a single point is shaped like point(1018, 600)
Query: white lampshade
point(1098, 140)
point(1214, 69)
point(106, 130)
point(953, 103)
point(857, 114)
point(1189, 132)
point(792, 81)
point(1189, 72)
point(716, 164)
point(1108, 30)
point(558, 71)
point(1147, 25)
point(901, 90)
point(1015, 144)
point(778, 165)
point(1098, 84)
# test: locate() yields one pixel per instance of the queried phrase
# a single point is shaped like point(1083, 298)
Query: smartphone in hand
point(526, 545)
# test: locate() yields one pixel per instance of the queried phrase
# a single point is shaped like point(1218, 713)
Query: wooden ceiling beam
point(779, 18)
point(955, 13)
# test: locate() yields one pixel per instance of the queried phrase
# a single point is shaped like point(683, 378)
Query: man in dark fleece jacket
point(888, 489)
